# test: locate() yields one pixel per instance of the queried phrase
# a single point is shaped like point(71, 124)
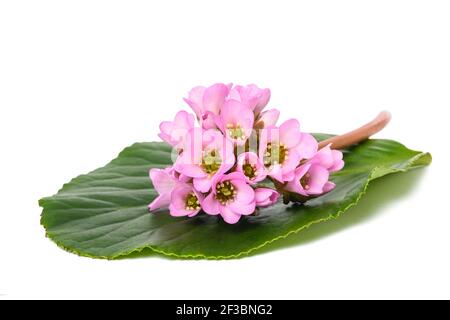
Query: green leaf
point(104, 214)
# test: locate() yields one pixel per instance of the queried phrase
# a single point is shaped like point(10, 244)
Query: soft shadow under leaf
point(380, 194)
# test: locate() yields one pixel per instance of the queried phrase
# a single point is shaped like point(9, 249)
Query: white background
point(80, 80)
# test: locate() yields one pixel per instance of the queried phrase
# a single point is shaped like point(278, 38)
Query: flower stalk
point(358, 135)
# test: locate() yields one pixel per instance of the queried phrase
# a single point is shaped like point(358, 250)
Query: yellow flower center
point(192, 202)
point(235, 131)
point(249, 170)
point(275, 154)
point(211, 161)
point(225, 192)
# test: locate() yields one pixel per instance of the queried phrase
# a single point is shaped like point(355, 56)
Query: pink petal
point(184, 178)
point(184, 120)
point(338, 163)
point(255, 98)
point(243, 209)
point(291, 163)
point(226, 165)
point(319, 176)
point(234, 94)
point(179, 212)
point(214, 97)
point(262, 194)
point(210, 205)
point(192, 151)
point(301, 171)
point(202, 184)
point(191, 170)
point(196, 94)
point(194, 213)
point(323, 157)
point(308, 146)
point(229, 216)
point(261, 174)
point(166, 129)
point(234, 112)
point(328, 186)
point(166, 138)
point(179, 194)
point(288, 176)
point(266, 197)
point(263, 100)
point(290, 133)
point(237, 177)
point(162, 181)
point(195, 100)
point(176, 131)
point(218, 121)
point(276, 172)
point(248, 157)
point(212, 139)
point(295, 185)
point(196, 108)
point(208, 120)
point(161, 201)
point(268, 118)
point(245, 193)
point(227, 156)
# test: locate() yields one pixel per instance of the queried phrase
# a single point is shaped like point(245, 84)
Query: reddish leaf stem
point(360, 134)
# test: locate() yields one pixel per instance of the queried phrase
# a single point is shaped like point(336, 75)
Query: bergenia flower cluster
point(222, 165)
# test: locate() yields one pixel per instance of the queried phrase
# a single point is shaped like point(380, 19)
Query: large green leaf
point(104, 214)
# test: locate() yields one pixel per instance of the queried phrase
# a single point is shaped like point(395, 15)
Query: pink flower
point(308, 146)
point(164, 182)
point(267, 119)
point(207, 102)
point(278, 149)
point(329, 159)
point(185, 201)
point(251, 167)
point(236, 121)
point(252, 96)
point(312, 178)
point(207, 153)
point(231, 197)
point(174, 132)
point(266, 197)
